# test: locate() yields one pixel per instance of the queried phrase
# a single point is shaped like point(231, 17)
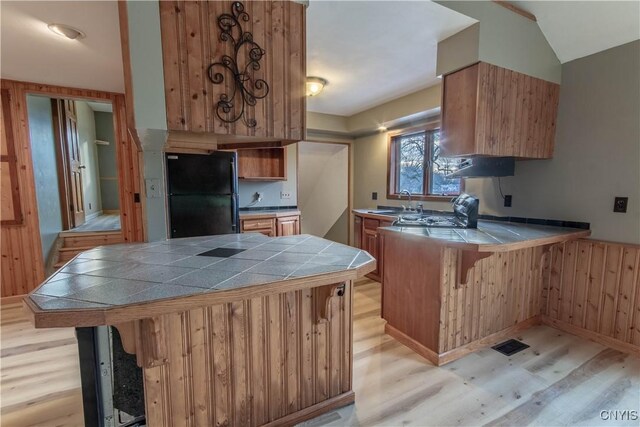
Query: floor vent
point(510, 347)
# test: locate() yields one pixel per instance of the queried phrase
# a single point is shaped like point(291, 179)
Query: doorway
point(75, 165)
point(323, 189)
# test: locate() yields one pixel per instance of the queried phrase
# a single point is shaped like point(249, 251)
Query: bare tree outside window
point(419, 167)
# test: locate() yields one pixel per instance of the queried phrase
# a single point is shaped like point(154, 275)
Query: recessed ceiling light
point(315, 85)
point(382, 128)
point(67, 31)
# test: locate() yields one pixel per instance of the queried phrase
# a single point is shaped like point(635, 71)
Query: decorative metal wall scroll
point(246, 90)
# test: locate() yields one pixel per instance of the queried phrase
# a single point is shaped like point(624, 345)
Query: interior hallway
point(105, 222)
point(560, 380)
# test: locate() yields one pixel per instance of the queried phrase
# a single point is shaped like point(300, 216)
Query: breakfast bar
point(450, 291)
point(238, 329)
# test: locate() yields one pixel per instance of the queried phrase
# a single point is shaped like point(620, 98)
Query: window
point(416, 165)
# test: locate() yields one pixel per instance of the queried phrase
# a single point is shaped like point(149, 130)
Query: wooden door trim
point(61, 164)
point(11, 159)
point(30, 262)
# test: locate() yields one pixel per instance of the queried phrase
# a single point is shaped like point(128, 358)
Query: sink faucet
point(408, 193)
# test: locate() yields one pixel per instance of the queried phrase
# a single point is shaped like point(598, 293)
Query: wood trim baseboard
point(459, 352)
point(14, 299)
point(423, 351)
point(488, 341)
point(590, 335)
point(325, 406)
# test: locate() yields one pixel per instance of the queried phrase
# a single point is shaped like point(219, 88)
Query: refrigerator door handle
point(234, 223)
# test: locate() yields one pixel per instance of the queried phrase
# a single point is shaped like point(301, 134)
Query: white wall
point(323, 184)
point(89, 158)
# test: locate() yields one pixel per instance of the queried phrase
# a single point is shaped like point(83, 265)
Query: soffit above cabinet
point(202, 97)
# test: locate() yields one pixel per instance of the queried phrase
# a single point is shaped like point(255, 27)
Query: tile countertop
point(492, 236)
point(268, 213)
point(123, 282)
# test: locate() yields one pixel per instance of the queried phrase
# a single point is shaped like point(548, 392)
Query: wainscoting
point(592, 288)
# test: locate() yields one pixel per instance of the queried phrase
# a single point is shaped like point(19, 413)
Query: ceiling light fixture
point(67, 31)
point(315, 85)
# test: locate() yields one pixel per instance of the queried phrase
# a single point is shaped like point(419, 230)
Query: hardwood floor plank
point(572, 378)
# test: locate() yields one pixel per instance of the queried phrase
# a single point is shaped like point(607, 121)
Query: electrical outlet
point(374, 195)
point(620, 204)
point(89, 206)
point(507, 200)
point(284, 195)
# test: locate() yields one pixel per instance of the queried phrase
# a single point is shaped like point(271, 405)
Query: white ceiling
point(30, 52)
point(374, 51)
point(370, 51)
point(579, 28)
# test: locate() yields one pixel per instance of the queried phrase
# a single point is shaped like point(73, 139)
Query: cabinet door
point(370, 244)
point(357, 232)
point(266, 226)
point(288, 226)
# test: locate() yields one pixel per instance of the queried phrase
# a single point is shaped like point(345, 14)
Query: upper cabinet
point(492, 111)
point(235, 69)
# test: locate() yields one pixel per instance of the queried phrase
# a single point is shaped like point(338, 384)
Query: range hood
point(478, 167)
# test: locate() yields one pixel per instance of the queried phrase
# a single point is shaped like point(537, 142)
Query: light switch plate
point(152, 186)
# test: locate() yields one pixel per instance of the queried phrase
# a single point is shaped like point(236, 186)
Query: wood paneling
point(503, 290)
point(11, 210)
point(22, 261)
point(595, 286)
point(249, 362)
point(493, 111)
point(425, 301)
point(191, 42)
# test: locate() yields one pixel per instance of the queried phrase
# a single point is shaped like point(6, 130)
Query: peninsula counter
point(238, 329)
point(448, 292)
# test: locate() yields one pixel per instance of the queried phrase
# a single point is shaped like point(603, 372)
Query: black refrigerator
point(202, 194)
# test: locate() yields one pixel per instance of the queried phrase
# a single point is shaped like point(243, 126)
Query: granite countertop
point(270, 213)
point(493, 236)
point(122, 275)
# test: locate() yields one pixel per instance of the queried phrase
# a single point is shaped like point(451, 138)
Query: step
point(76, 249)
point(92, 240)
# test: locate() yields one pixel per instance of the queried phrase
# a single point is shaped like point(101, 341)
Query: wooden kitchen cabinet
point(369, 239)
point(271, 225)
point(191, 43)
point(262, 164)
point(288, 226)
point(491, 111)
point(266, 226)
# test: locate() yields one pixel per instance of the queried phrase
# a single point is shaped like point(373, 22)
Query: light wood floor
point(560, 380)
point(106, 222)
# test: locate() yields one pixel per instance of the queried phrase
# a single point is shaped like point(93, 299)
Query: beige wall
point(323, 184)
point(503, 38)
point(597, 154)
point(597, 151)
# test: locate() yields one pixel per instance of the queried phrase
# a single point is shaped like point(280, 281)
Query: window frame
point(393, 165)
